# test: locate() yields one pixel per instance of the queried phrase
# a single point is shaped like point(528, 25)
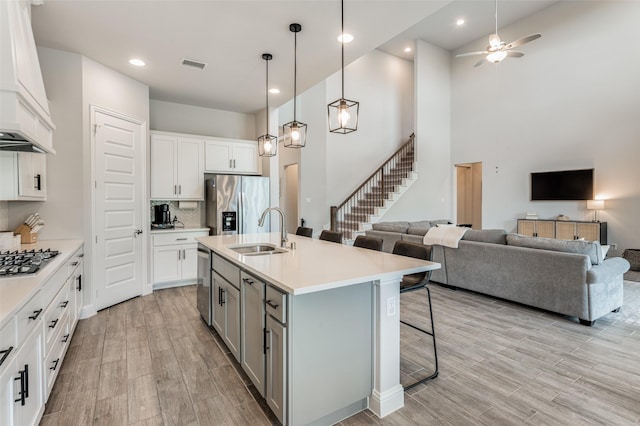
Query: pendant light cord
point(342, 35)
point(295, 72)
point(267, 96)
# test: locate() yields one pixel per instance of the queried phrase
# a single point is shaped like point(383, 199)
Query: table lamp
point(595, 205)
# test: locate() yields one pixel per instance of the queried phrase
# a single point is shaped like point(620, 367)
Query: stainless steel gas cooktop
point(14, 263)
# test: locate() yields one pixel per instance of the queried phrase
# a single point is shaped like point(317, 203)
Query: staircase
point(371, 200)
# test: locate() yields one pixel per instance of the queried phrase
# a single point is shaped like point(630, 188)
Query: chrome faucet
point(283, 231)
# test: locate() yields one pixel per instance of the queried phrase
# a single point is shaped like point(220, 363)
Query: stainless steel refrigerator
point(234, 204)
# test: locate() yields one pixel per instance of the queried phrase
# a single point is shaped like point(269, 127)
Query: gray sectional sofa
point(568, 277)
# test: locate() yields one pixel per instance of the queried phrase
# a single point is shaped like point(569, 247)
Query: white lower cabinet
point(38, 336)
point(28, 403)
point(253, 331)
point(175, 258)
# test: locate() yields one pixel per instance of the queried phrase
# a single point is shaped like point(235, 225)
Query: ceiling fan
point(497, 49)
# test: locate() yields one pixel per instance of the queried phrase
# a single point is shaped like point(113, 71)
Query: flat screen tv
point(562, 185)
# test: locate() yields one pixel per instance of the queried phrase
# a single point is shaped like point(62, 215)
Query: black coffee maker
point(161, 216)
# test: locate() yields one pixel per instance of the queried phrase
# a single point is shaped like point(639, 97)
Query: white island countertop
point(15, 291)
point(179, 229)
point(314, 265)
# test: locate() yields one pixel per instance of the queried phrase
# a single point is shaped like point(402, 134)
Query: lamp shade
point(595, 204)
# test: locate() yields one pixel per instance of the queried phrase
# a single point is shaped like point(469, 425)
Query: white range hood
point(25, 121)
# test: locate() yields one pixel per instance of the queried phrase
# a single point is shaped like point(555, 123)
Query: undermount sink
point(257, 249)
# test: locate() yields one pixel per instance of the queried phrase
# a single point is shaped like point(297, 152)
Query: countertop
point(14, 292)
point(315, 265)
point(186, 229)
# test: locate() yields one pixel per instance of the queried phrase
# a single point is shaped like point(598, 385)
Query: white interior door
point(118, 201)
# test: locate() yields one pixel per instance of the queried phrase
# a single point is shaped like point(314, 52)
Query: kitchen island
point(325, 326)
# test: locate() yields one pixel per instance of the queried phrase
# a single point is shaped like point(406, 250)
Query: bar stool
point(334, 237)
point(304, 231)
point(413, 282)
point(371, 243)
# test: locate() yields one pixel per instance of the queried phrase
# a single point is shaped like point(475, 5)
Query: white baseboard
point(382, 404)
point(87, 311)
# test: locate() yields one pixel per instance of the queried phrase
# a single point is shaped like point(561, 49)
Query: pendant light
point(267, 144)
point(343, 113)
point(295, 132)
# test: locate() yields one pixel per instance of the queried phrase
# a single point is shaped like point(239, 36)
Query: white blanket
point(447, 236)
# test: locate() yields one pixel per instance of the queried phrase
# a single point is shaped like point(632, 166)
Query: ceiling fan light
point(496, 57)
point(494, 41)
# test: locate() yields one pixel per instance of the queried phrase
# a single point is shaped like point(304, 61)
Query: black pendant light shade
point(267, 144)
point(295, 132)
point(343, 113)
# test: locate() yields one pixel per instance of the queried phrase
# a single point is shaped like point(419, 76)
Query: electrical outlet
point(614, 246)
point(391, 306)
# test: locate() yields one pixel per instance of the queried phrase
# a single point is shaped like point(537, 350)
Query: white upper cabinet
point(177, 167)
point(23, 101)
point(231, 156)
point(23, 176)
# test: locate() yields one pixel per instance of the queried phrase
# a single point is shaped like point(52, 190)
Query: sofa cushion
point(417, 239)
point(493, 236)
point(417, 230)
point(591, 249)
point(400, 226)
point(426, 224)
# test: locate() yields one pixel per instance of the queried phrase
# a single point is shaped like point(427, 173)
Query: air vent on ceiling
point(193, 64)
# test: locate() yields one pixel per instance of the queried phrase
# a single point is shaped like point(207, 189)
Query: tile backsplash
point(189, 217)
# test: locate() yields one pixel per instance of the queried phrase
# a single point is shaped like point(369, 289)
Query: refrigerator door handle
point(241, 213)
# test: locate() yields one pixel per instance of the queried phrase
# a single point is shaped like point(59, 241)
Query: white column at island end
point(388, 394)
point(320, 277)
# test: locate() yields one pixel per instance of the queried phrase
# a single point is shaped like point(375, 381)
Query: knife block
point(26, 237)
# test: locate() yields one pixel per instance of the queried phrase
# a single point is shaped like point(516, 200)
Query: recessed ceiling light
point(348, 38)
point(460, 22)
point(407, 49)
point(274, 91)
point(137, 62)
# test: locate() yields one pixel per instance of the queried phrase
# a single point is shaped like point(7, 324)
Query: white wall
point(173, 117)
point(383, 84)
point(572, 102)
point(430, 197)
point(4, 216)
point(63, 210)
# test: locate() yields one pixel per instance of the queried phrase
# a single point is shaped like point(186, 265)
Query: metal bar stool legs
point(431, 333)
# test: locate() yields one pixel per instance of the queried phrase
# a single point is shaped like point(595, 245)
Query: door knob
point(137, 232)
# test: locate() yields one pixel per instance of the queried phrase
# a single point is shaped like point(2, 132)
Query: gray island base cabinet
point(320, 344)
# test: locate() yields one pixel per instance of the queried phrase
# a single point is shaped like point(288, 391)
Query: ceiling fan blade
point(480, 62)
point(461, 55)
point(523, 40)
point(514, 54)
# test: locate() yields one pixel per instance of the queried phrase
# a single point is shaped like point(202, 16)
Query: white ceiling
point(231, 35)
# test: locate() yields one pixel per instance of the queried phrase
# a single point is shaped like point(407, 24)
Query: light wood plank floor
point(152, 361)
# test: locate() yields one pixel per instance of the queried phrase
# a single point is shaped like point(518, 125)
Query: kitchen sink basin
point(257, 249)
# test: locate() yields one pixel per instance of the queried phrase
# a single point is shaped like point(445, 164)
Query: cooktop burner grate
point(24, 262)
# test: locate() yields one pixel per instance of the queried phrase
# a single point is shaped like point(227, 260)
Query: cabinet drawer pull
point(248, 281)
point(179, 189)
point(224, 299)
point(24, 385)
point(273, 305)
point(65, 338)
point(5, 353)
point(54, 323)
point(38, 182)
point(64, 304)
point(74, 263)
point(181, 239)
point(36, 314)
point(79, 286)
point(266, 340)
point(55, 365)
point(81, 255)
